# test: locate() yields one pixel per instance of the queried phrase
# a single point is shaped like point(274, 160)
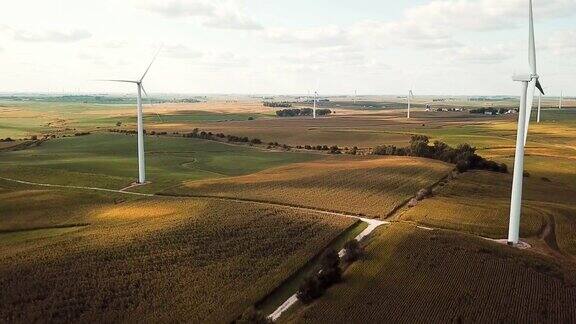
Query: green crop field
point(109, 161)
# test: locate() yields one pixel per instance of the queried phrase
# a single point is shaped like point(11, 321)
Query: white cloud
point(433, 25)
point(179, 8)
point(52, 36)
point(114, 44)
point(480, 15)
point(481, 54)
point(213, 14)
point(562, 42)
point(316, 36)
point(180, 52)
point(232, 20)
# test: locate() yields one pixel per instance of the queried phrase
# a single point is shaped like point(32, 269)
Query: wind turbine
point(355, 95)
point(410, 96)
point(315, 99)
point(140, 89)
point(529, 84)
point(561, 98)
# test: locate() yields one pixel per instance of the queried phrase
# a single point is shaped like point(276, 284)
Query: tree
point(309, 290)
point(352, 251)
point(252, 316)
point(335, 150)
point(329, 276)
point(329, 259)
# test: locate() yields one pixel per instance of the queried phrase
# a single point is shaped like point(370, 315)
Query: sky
point(377, 47)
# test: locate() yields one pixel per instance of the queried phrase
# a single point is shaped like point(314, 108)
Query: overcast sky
point(460, 47)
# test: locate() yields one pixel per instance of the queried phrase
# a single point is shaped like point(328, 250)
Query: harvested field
point(370, 187)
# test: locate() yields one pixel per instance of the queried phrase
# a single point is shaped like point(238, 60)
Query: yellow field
point(371, 187)
point(163, 259)
point(28, 209)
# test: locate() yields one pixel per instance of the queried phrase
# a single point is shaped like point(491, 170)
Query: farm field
point(373, 187)
point(478, 202)
point(109, 161)
point(415, 275)
point(19, 119)
point(156, 259)
point(110, 256)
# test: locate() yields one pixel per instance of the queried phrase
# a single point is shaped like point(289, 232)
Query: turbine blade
point(531, 42)
point(539, 86)
point(150, 101)
point(529, 104)
point(144, 90)
point(124, 81)
point(149, 66)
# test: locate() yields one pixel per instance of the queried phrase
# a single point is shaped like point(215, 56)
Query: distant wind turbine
point(529, 84)
point(355, 95)
point(561, 99)
point(410, 96)
point(315, 99)
point(140, 89)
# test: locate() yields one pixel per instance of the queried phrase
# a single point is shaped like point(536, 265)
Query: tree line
point(463, 155)
point(282, 104)
point(494, 111)
point(295, 112)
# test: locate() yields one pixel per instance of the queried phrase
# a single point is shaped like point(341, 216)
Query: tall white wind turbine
point(140, 89)
point(529, 84)
point(410, 96)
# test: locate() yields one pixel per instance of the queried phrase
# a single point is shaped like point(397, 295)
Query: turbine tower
point(410, 96)
point(561, 98)
point(315, 99)
point(539, 108)
point(140, 89)
point(529, 84)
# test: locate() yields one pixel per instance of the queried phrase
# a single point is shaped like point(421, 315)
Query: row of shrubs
point(334, 149)
point(196, 133)
point(464, 155)
point(295, 112)
point(328, 273)
point(483, 110)
point(282, 104)
point(133, 132)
